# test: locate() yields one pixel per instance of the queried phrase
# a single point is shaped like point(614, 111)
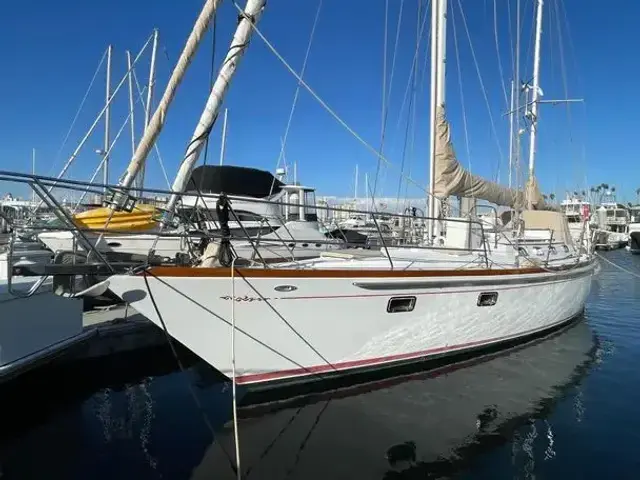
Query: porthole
point(487, 299)
point(401, 304)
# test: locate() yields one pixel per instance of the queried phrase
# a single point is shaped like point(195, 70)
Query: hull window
point(401, 304)
point(487, 299)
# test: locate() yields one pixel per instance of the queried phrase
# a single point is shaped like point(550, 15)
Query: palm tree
point(552, 196)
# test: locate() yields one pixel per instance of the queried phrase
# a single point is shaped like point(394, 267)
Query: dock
point(105, 332)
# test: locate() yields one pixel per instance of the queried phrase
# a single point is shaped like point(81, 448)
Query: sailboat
point(339, 315)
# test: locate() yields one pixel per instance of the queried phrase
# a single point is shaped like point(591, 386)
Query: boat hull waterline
point(294, 326)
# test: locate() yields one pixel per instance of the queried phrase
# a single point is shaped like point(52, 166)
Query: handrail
point(411, 238)
point(17, 293)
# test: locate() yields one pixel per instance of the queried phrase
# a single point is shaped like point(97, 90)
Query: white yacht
point(577, 211)
point(633, 229)
point(614, 218)
point(266, 210)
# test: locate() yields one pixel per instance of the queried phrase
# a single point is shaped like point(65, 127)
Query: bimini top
point(234, 181)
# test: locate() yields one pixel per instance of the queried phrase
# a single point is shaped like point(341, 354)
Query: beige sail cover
point(452, 179)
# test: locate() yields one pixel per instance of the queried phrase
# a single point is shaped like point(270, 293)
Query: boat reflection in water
point(423, 425)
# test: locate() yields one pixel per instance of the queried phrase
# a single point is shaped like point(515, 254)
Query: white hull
point(304, 235)
point(340, 324)
point(135, 244)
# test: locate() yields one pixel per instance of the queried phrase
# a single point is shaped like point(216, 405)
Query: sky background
point(50, 51)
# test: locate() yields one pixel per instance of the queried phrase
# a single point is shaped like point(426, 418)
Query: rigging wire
point(411, 113)
point(155, 145)
point(484, 91)
point(413, 63)
point(462, 102)
point(495, 36)
point(75, 118)
point(104, 157)
point(324, 104)
point(174, 352)
point(512, 53)
point(387, 92)
point(563, 72)
point(412, 110)
point(212, 69)
point(414, 117)
point(572, 52)
point(248, 335)
point(296, 95)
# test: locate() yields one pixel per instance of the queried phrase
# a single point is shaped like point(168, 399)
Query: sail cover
point(452, 179)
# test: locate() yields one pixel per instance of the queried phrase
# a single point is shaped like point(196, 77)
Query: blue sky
point(50, 51)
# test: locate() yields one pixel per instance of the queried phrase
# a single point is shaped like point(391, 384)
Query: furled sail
point(452, 179)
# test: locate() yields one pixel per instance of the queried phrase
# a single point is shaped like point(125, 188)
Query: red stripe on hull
point(368, 362)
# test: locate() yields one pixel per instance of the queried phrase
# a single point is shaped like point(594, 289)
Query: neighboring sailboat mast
point(157, 120)
point(107, 121)
point(149, 103)
point(223, 142)
point(132, 123)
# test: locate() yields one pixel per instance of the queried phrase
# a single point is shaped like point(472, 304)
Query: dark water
point(564, 407)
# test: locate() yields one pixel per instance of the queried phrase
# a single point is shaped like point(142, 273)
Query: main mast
point(438, 64)
point(535, 92)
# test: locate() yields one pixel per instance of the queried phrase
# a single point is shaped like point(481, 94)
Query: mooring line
point(619, 266)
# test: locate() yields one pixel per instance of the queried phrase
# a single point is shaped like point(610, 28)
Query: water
point(564, 407)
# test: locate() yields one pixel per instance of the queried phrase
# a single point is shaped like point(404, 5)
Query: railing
point(193, 233)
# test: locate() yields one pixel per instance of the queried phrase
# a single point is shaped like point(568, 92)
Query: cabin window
point(487, 299)
point(245, 216)
point(552, 250)
point(523, 251)
point(565, 248)
point(401, 304)
point(310, 212)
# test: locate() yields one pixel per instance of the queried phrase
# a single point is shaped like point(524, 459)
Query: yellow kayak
point(141, 218)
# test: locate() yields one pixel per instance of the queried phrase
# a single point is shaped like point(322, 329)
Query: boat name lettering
point(246, 298)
